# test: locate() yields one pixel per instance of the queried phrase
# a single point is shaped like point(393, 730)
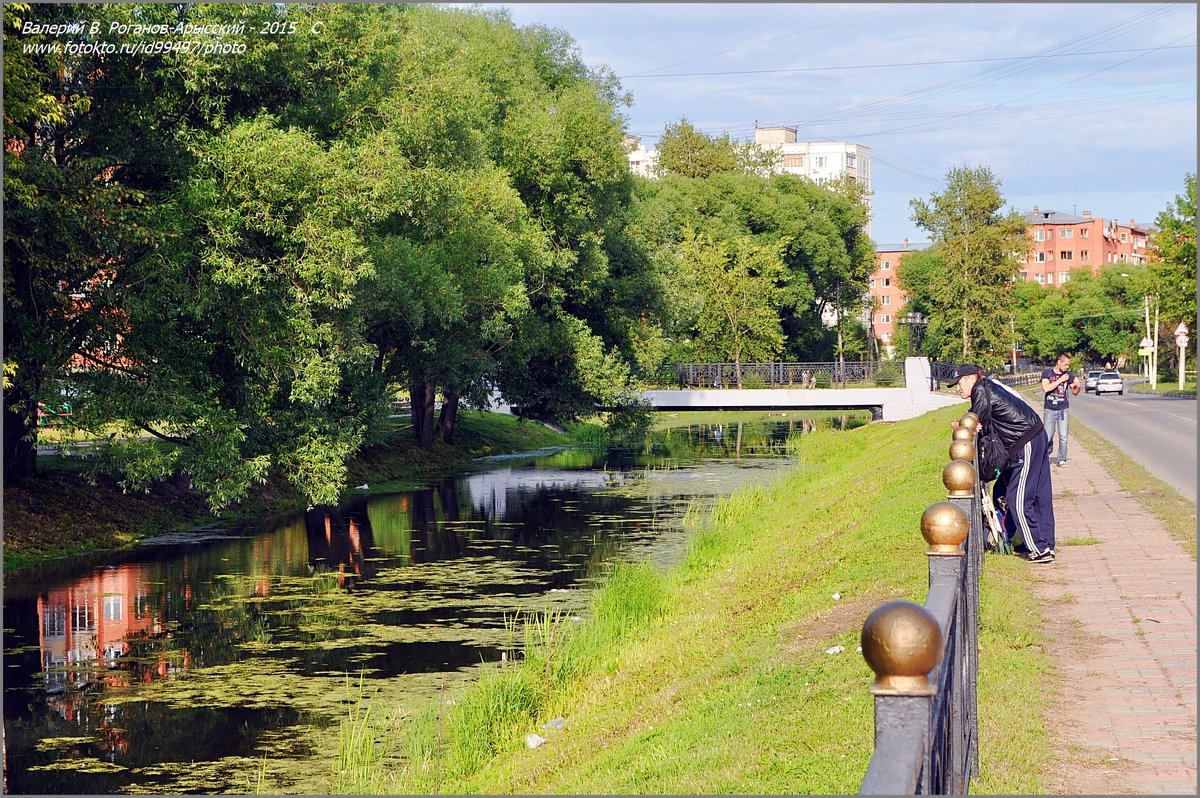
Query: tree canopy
point(966, 278)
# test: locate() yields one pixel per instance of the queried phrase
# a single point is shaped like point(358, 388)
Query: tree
point(1173, 268)
point(981, 251)
point(742, 283)
point(685, 151)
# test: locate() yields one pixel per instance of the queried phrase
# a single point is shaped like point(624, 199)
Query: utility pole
point(1012, 321)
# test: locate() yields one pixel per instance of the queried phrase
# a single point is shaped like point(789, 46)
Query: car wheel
point(1120, 393)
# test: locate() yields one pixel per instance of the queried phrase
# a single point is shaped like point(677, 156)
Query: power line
point(899, 64)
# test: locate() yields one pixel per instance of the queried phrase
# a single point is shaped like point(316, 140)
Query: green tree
point(742, 284)
point(981, 250)
point(1173, 267)
point(685, 151)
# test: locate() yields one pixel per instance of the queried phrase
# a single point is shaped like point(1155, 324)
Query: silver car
point(1110, 382)
point(1090, 383)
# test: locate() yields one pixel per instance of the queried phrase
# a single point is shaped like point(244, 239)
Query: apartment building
point(1063, 243)
point(819, 161)
point(642, 161)
point(887, 299)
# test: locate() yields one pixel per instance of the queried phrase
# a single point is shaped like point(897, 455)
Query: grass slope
point(721, 682)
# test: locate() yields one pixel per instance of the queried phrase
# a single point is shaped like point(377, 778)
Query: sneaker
point(1045, 556)
point(1062, 463)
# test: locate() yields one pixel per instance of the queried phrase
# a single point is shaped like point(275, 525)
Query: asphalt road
point(1157, 432)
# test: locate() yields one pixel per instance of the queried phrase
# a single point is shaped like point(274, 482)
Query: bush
point(754, 380)
point(823, 379)
point(887, 376)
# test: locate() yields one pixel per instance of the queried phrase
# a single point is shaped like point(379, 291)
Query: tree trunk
point(448, 416)
point(20, 435)
point(422, 394)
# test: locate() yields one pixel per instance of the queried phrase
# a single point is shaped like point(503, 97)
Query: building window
point(1066, 254)
point(887, 300)
point(112, 608)
point(82, 618)
point(1124, 237)
point(887, 337)
point(1039, 257)
point(1063, 277)
point(793, 161)
point(849, 161)
point(887, 265)
point(1039, 235)
point(887, 319)
point(1041, 278)
point(1083, 255)
point(1066, 233)
point(872, 282)
point(819, 161)
point(55, 618)
point(1083, 232)
point(887, 281)
point(1124, 258)
point(1050, 278)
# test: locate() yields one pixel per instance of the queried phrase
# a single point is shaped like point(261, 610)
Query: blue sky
point(1073, 106)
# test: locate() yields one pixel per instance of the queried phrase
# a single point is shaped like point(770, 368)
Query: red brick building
point(888, 299)
point(1063, 242)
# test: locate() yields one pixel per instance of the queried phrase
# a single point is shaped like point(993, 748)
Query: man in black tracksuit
point(1026, 475)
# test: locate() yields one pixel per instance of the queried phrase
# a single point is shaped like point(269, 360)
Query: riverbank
point(737, 671)
point(60, 512)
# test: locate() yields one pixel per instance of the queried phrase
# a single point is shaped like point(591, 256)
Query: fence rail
point(925, 658)
point(942, 373)
point(783, 374)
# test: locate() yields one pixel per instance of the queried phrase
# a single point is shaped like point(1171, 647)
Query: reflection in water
point(171, 668)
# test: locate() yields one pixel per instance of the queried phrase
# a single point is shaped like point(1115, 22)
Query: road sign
point(1146, 343)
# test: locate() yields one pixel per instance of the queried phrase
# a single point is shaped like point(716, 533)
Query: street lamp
point(916, 322)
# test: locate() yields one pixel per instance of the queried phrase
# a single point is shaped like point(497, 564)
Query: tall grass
point(361, 750)
point(513, 697)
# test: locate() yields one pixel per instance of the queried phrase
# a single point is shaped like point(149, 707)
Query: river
point(222, 659)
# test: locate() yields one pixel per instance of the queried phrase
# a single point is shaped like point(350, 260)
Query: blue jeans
point(1056, 419)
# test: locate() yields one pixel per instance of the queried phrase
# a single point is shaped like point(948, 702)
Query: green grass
point(1164, 386)
point(1089, 541)
point(714, 677)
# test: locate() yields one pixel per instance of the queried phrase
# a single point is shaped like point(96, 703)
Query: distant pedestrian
point(1057, 382)
point(1025, 476)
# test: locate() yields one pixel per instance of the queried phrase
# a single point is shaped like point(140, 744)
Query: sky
point(1074, 107)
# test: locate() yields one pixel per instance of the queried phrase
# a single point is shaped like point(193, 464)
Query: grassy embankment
point(60, 513)
point(715, 676)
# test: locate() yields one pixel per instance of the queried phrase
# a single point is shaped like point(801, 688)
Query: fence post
point(901, 642)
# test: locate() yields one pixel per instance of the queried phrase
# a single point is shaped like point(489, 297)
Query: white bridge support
point(885, 404)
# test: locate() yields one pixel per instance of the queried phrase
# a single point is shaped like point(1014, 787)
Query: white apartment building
point(819, 161)
point(641, 160)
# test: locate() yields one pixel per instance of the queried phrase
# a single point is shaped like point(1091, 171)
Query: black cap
point(964, 370)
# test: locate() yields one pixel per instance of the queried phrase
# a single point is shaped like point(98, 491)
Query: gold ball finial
point(901, 643)
point(962, 433)
point(959, 478)
point(971, 421)
point(944, 526)
point(962, 450)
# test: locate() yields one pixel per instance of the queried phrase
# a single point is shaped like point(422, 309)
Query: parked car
point(1090, 383)
point(1110, 382)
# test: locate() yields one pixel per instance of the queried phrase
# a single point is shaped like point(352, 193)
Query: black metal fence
point(779, 374)
point(925, 658)
point(942, 373)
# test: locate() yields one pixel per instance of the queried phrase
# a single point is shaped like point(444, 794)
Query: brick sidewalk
point(1122, 616)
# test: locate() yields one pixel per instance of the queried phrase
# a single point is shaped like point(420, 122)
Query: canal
point(223, 659)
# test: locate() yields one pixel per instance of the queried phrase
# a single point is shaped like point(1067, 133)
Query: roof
point(1055, 217)
point(910, 247)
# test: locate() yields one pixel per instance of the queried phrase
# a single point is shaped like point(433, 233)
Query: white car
point(1090, 383)
point(1110, 382)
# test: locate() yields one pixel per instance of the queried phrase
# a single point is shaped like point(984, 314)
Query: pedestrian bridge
point(885, 404)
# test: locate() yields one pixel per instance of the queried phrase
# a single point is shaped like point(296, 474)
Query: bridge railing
point(925, 658)
point(781, 374)
point(941, 373)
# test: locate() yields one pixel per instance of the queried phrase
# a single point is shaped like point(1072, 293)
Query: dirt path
point(1122, 629)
